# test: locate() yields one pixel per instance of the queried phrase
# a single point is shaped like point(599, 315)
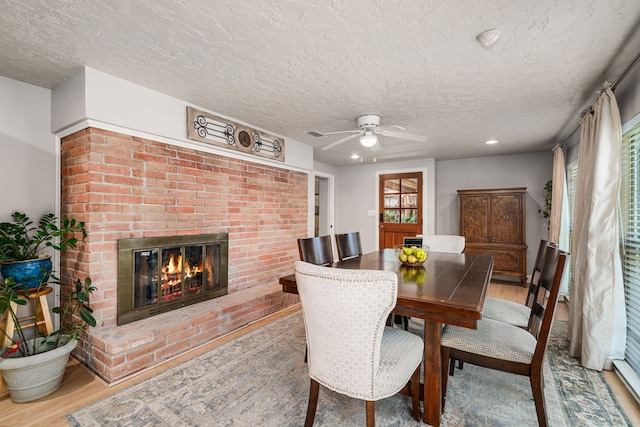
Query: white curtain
point(559, 219)
point(597, 320)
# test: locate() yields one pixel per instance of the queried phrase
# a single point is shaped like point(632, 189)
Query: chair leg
point(314, 389)
point(537, 388)
point(306, 350)
point(406, 322)
point(414, 385)
point(446, 366)
point(371, 413)
point(453, 366)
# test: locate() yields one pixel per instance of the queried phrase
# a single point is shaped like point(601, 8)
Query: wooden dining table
point(448, 289)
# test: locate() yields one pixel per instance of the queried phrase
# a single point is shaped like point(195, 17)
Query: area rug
point(260, 379)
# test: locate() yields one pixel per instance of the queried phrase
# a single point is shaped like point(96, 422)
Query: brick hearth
point(127, 187)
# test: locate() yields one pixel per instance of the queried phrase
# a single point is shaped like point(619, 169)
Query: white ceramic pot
point(34, 377)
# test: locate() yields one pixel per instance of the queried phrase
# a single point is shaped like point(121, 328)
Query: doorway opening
point(323, 204)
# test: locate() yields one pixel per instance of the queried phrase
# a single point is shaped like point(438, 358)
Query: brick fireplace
point(126, 187)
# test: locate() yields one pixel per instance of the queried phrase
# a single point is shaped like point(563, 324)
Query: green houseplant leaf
point(20, 240)
point(75, 315)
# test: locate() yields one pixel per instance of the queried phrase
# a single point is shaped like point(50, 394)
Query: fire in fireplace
point(159, 274)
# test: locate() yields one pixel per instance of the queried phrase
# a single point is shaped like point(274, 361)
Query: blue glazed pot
point(28, 273)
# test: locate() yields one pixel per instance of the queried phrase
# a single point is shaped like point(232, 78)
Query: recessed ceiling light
point(354, 156)
point(491, 142)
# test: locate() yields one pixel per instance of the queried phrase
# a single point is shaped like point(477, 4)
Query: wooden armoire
point(493, 222)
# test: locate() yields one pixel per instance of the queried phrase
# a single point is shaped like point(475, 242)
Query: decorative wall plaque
point(205, 127)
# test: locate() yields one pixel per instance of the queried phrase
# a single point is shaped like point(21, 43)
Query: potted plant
point(547, 192)
point(34, 365)
point(22, 243)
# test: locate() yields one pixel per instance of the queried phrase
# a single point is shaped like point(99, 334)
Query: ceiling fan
point(369, 132)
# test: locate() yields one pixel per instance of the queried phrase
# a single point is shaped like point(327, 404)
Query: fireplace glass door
point(176, 273)
point(185, 270)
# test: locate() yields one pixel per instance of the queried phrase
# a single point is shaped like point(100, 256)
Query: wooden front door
point(400, 208)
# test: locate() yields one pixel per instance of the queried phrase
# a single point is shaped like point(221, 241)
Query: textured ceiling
point(291, 67)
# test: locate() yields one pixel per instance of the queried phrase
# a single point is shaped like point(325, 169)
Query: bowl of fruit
point(412, 255)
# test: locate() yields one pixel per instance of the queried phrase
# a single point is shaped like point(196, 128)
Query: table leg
point(432, 387)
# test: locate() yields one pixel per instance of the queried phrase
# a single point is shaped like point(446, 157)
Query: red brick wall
point(124, 186)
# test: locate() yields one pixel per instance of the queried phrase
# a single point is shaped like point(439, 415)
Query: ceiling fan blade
point(341, 131)
point(403, 135)
point(340, 141)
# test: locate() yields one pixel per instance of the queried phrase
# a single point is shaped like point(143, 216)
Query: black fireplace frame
point(127, 313)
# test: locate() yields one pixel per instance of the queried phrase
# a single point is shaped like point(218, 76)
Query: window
point(401, 200)
point(630, 240)
point(572, 180)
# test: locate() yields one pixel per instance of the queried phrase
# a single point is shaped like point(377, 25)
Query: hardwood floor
point(80, 387)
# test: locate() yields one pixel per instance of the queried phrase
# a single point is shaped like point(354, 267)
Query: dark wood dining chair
point(512, 312)
point(316, 250)
point(348, 245)
point(503, 347)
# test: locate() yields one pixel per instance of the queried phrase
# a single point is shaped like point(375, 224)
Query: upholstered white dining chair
point(350, 350)
point(443, 242)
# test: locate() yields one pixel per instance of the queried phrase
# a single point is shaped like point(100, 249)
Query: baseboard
point(629, 377)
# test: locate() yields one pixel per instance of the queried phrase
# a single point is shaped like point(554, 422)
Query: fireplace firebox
point(160, 274)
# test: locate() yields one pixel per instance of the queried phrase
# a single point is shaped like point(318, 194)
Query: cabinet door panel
point(474, 224)
point(506, 221)
point(504, 260)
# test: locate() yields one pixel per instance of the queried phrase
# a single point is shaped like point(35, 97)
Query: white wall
point(28, 155)
point(530, 170)
point(356, 195)
point(628, 95)
point(102, 100)
point(28, 150)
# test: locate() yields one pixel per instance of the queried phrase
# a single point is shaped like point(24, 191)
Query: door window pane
point(409, 216)
point(391, 215)
point(409, 185)
point(392, 201)
point(410, 200)
point(392, 186)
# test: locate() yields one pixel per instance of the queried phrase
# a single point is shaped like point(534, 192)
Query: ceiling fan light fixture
point(368, 139)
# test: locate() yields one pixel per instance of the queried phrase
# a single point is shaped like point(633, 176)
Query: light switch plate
point(371, 212)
